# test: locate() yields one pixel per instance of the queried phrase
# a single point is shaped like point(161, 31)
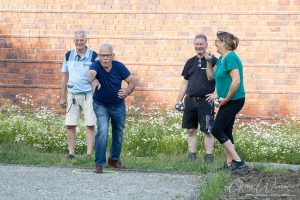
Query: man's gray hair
point(107, 46)
point(201, 36)
point(81, 32)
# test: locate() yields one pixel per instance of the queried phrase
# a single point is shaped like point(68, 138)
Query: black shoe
point(225, 166)
point(208, 158)
point(70, 156)
point(237, 165)
point(192, 156)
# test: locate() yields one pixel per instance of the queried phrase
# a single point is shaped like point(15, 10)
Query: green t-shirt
point(223, 79)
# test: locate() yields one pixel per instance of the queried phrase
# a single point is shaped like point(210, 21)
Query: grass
point(214, 186)
point(153, 140)
point(22, 154)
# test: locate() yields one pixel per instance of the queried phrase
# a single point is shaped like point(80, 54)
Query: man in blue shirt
point(106, 76)
point(76, 92)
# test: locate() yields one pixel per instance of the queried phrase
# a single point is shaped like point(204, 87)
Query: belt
point(80, 93)
point(197, 98)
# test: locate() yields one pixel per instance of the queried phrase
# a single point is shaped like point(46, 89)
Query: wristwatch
point(91, 80)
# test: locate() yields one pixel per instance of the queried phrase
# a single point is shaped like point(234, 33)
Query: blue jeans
point(115, 114)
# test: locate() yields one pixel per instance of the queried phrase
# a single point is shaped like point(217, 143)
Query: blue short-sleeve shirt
point(78, 68)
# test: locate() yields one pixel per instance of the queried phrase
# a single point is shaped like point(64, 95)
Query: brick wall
point(154, 38)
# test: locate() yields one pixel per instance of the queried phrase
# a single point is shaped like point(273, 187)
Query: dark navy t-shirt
point(110, 82)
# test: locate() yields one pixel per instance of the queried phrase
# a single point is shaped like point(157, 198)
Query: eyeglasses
point(105, 55)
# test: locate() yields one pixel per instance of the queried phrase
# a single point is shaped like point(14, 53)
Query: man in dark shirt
point(198, 92)
point(106, 76)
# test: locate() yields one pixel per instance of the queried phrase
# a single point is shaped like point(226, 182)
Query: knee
point(71, 127)
point(216, 132)
point(219, 135)
point(192, 132)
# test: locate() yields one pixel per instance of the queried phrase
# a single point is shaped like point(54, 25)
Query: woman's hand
point(211, 97)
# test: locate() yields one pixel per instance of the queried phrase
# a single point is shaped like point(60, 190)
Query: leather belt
point(197, 98)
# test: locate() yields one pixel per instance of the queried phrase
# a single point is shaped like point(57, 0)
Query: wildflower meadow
point(148, 133)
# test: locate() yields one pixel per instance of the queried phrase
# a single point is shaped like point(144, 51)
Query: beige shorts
point(77, 104)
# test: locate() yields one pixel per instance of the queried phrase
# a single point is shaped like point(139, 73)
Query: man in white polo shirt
point(76, 93)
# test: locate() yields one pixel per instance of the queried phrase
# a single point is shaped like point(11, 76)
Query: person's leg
point(230, 150)
point(190, 122)
point(90, 139)
point(208, 143)
point(102, 133)
point(192, 140)
point(71, 135)
point(206, 117)
point(90, 121)
point(71, 121)
point(118, 115)
point(228, 132)
point(224, 122)
point(218, 130)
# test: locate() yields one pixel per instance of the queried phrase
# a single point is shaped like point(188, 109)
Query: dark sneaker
point(70, 156)
point(98, 169)
point(237, 165)
point(192, 157)
point(225, 166)
point(208, 158)
point(116, 164)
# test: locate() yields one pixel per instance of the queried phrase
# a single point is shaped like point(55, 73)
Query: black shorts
point(197, 111)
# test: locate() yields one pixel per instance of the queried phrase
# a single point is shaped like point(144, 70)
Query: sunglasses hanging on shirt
point(77, 57)
point(199, 62)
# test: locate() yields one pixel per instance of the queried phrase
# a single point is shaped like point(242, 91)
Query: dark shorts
point(197, 111)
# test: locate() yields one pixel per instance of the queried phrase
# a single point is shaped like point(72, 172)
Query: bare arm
point(124, 92)
point(209, 70)
point(92, 80)
point(63, 89)
point(182, 90)
point(235, 76)
point(91, 75)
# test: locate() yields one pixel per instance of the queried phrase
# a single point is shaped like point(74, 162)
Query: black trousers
point(222, 129)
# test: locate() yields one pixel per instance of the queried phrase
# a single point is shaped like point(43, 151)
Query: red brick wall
point(154, 39)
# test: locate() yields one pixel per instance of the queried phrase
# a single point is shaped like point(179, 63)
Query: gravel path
point(29, 182)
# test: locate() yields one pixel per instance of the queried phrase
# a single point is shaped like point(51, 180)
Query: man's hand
point(95, 85)
point(208, 56)
point(179, 106)
point(62, 102)
point(123, 93)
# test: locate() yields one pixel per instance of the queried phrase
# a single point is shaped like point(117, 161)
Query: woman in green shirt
point(228, 75)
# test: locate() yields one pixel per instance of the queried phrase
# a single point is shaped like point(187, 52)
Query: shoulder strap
point(94, 56)
point(67, 55)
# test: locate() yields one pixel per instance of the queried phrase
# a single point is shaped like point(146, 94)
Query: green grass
point(153, 140)
point(214, 186)
point(21, 154)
